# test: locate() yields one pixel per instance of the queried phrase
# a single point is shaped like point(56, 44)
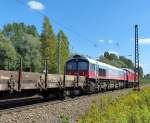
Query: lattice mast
point(136, 69)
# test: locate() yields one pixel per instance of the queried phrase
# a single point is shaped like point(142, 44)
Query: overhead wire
point(78, 35)
point(56, 22)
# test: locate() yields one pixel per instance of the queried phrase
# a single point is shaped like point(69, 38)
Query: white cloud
point(142, 65)
point(144, 41)
point(110, 41)
point(114, 52)
point(101, 41)
point(35, 5)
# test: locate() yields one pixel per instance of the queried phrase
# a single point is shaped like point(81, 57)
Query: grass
point(132, 108)
point(145, 81)
point(64, 118)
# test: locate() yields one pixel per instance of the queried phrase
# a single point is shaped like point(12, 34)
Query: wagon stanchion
point(46, 72)
point(77, 73)
point(8, 68)
point(62, 87)
point(20, 74)
point(11, 84)
point(64, 76)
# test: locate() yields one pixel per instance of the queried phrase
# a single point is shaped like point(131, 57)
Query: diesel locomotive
point(99, 76)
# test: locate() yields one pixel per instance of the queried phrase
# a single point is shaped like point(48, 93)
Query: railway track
point(15, 105)
point(31, 104)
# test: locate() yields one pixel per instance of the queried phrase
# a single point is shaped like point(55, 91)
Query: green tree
point(63, 46)
point(26, 41)
point(121, 61)
point(113, 56)
point(104, 59)
point(106, 54)
point(15, 30)
point(141, 72)
point(114, 60)
point(7, 53)
point(49, 45)
point(110, 56)
point(127, 61)
point(29, 49)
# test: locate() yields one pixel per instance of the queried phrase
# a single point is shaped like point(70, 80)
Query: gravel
point(51, 113)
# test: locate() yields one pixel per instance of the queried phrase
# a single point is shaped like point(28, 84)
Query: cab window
point(82, 65)
point(72, 65)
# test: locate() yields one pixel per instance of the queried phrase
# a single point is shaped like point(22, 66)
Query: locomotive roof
point(103, 64)
point(96, 62)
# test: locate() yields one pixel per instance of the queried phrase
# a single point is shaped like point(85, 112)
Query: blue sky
point(92, 26)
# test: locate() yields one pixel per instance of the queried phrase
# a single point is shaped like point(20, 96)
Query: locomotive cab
point(77, 65)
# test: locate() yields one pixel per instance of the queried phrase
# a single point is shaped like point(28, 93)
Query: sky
point(92, 26)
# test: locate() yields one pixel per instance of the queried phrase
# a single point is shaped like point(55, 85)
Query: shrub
point(132, 108)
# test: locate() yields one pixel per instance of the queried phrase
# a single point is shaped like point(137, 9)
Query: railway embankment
point(69, 111)
point(132, 108)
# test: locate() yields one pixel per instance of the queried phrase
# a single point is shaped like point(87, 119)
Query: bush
point(133, 108)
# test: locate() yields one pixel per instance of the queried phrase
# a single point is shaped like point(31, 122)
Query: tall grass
point(145, 81)
point(133, 108)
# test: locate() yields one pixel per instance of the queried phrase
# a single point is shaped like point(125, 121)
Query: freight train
point(81, 75)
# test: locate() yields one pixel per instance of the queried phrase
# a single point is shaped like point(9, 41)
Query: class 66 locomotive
point(99, 76)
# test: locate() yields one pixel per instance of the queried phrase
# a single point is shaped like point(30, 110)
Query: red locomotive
point(99, 75)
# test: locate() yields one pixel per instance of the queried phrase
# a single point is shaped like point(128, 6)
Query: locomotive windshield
point(82, 65)
point(72, 65)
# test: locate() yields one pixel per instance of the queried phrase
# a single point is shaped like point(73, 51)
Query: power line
point(57, 23)
point(78, 35)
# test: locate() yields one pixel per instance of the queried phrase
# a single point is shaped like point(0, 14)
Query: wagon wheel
point(61, 94)
point(45, 95)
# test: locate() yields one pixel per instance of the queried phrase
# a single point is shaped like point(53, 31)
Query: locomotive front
point(77, 65)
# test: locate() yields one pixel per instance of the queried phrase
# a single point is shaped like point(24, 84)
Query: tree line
point(118, 61)
point(18, 40)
